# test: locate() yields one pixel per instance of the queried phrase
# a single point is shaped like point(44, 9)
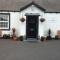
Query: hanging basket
point(22, 19)
point(42, 19)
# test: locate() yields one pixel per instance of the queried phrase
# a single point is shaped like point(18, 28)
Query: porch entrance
point(32, 26)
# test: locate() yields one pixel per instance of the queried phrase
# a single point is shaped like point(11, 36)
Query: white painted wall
point(14, 18)
point(52, 21)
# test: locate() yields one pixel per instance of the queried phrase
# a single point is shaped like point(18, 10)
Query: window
point(4, 21)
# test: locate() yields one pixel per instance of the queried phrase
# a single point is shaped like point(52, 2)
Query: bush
point(56, 37)
point(20, 38)
point(42, 38)
point(48, 38)
point(6, 36)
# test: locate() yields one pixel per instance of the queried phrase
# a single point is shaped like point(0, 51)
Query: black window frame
point(8, 21)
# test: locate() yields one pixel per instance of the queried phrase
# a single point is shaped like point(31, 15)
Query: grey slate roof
point(15, 5)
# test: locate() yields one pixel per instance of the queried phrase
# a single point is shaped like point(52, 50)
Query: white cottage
point(31, 26)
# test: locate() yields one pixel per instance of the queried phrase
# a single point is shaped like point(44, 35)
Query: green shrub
point(20, 38)
point(42, 38)
point(6, 36)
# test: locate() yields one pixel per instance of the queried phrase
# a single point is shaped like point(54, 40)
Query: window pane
point(4, 24)
point(3, 19)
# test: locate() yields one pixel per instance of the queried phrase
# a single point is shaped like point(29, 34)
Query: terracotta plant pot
point(14, 38)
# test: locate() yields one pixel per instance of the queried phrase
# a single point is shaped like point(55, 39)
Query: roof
point(16, 5)
point(32, 3)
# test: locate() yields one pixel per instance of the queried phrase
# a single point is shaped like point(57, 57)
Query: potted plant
point(6, 36)
point(42, 38)
point(49, 34)
point(56, 37)
point(20, 38)
point(22, 19)
point(13, 30)
point(14, 37)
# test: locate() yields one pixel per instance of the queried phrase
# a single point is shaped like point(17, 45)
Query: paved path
point(16, 50)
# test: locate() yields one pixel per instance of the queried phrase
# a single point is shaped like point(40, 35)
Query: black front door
point(31, 26)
